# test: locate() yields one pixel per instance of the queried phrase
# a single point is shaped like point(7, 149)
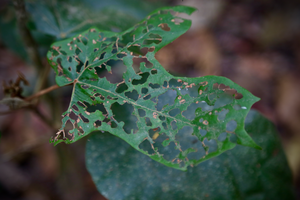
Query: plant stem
point(30, 44)
point(42, 92)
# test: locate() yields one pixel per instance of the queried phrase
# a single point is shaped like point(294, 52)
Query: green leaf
point(64, 19)
point(120, 172)
point(121, 88)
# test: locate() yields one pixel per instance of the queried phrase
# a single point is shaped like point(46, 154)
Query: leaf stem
point(42, 92)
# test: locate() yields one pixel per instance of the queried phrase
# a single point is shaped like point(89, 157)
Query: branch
point(42, 92)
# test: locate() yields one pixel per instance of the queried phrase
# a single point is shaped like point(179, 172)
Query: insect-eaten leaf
point(119, 87)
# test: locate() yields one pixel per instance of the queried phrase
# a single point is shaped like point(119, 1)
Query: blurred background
point(254, 43)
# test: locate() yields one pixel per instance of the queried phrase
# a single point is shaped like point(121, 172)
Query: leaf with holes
point(119, 87)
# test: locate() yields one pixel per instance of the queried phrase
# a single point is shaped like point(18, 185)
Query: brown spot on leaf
point(155, 115)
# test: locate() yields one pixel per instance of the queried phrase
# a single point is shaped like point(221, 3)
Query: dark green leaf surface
point(117, 75)
point(65, 18)
point(120, 172)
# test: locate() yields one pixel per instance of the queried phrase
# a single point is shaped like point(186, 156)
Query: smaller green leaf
point(120, 172)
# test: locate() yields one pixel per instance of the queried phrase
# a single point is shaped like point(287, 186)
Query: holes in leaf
point(189, 113)
point(146, 146)
point(224, 99)
point(236, 107)
point(166, 98)
point(100, 96)
point(124, 113)
point(190, 90)
point(228, 90)
point(102, 55)
point(185, 137)
point(86, 64)
point(165, 147)
point(142, 80)
point(144, 90)
point(93, 108)
point(84, 40)
point(174, 112)
point(142, 113)
point(212, 96)
point(70, 69)
point(54, 52)
point(174, 125)
point(211, 144)
point(111, 98)
point(175, 83)
point(121, 55)
point(154, 86)
point(126, 38)
point(154, 133)
point(231, 126)
point(153, 71)
point(79, 66)
point(137, 50)
point(132, 95)
point(222, 114)
point(153, 38)
point(148, 121)
point(81, 104)
point(177, 21)
point(75, 107)
point(84, 119)
point(97, 123)
point(69, 126)
point(73, 116)
point(165, 84)
point(144, 61)
point(79, 128)
point(204, 107)
point(222, 136)
point(77, 51)
point(84, 86)
point(164, 26)
point(148, 96)
point(113, 124)
point(121, 88)
point(112, 74)
point(69, 59)
point(164, 124)
point(162, 118)
point(202, 132)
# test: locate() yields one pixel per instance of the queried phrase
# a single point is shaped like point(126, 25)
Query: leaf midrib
point(134, 103)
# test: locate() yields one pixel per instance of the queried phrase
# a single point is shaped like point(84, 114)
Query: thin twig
point(42, 92)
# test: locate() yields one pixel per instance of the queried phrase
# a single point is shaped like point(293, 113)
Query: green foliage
point(63, 19)
point(50, 21)
point(120, 172)
point(121, 88)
